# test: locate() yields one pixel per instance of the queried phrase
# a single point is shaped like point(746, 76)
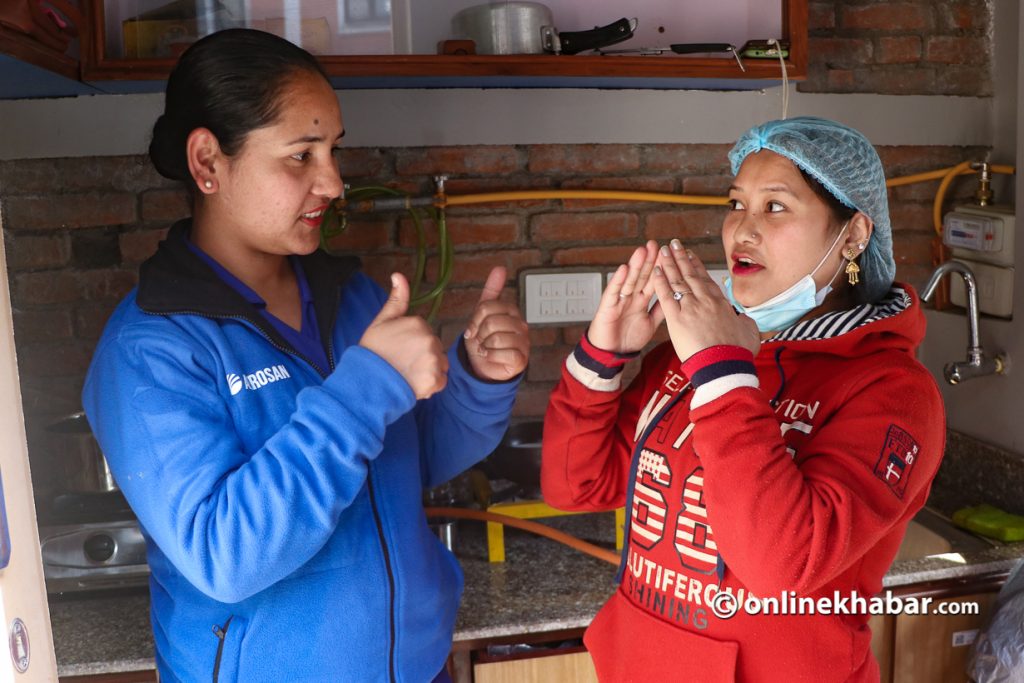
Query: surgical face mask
point(785, 308)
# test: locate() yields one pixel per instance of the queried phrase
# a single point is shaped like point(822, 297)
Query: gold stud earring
point(852, 269)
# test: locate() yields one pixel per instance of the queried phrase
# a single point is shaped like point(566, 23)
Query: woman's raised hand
point(497, 339)
point(622, 323)
point(697, 313)
point(407, 342)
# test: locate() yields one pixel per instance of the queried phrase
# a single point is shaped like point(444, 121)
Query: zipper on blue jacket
point(221, 632)
point(391, 576)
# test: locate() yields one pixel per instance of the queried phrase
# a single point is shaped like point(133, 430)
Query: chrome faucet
point(977, 363)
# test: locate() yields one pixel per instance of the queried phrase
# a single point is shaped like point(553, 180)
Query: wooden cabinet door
point(882, 626)
point(569, 668)
point(934, 648)
point(130, 677)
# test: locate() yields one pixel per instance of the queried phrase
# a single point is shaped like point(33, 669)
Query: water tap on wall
point(977, 363)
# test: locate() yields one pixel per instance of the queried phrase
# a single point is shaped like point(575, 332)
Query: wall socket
point(562, 297)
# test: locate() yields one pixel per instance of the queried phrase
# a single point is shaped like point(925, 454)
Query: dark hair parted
point(228, 82)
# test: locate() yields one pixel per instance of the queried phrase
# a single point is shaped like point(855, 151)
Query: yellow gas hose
point(945, 174)
point(363, 200)
point(527, 195)
point(526, 525)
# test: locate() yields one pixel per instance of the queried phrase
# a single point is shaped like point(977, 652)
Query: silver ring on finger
point(678, 296)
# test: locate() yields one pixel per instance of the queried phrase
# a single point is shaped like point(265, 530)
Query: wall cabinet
point(37, 57)
point(104, 63)
point(24, 48)
point(138, 39)
point(129, 677)
point(575, 667)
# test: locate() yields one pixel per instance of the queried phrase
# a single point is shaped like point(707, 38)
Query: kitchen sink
point(517, 458)
point(930, 533)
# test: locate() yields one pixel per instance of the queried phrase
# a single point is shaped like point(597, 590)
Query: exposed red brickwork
point(567, 158)
point(45, 212)
point(491, 160)
point(31, 252)
point(567, 227)
point(821, 16)
point(472, 268)
point(136, 247)
point(74, 250)
point(624, 183)
point(164, 205)
point(956, 50)
point(684, 223)
point(900, 48)
point(363, 233)
point(484, 230)
point(895, 16)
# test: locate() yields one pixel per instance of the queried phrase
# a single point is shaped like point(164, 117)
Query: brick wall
point(76, 230)
point(917, 47)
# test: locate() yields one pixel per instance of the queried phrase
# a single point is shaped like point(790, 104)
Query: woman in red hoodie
point(772, 452)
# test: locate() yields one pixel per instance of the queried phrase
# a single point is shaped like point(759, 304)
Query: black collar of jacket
point(175, 280)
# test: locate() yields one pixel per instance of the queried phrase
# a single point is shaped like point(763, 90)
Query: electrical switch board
point(561, 297)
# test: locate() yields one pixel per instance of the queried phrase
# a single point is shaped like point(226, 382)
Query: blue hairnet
point(847, 165)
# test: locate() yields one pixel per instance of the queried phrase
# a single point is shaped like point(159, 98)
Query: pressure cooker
point(522, 28)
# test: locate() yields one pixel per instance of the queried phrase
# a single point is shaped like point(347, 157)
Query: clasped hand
point(693, 307)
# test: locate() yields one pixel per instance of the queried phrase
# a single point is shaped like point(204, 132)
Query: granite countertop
point(542, 586)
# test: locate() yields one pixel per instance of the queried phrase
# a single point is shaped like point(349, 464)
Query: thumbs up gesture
point(497, 339)
point(407, 342)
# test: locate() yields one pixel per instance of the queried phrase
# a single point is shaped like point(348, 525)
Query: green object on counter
point(990, 521)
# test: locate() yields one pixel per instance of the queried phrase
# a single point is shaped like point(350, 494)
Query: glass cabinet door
point(155, 29)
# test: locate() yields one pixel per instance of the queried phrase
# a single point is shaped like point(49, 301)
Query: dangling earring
point(852, 269)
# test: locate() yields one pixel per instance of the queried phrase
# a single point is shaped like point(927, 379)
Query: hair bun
point(167, 150)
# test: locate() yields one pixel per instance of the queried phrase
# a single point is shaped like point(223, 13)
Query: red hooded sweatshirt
point(790, 475)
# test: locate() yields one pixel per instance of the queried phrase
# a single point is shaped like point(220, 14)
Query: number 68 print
point(692, 538)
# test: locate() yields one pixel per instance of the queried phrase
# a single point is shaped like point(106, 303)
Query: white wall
point(109, 125)
point(992, 408)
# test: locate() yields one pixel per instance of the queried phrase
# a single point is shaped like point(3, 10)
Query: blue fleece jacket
point(282, 505)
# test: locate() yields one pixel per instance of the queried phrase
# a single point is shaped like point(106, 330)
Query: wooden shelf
point(22, 47)
point(97, 66)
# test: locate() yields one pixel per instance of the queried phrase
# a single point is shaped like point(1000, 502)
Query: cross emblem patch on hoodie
point(896, 460)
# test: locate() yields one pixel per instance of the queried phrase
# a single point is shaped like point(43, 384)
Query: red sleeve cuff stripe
point(718, 370)
point(717, 388)
point(716, 354)
point(609, 359)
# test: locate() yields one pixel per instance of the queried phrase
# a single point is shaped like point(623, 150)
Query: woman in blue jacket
point(271, 416)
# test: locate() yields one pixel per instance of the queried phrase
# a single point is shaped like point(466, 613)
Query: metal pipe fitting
point(977, 363)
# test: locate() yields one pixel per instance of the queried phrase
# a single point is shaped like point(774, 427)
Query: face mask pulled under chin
point(793, 303)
